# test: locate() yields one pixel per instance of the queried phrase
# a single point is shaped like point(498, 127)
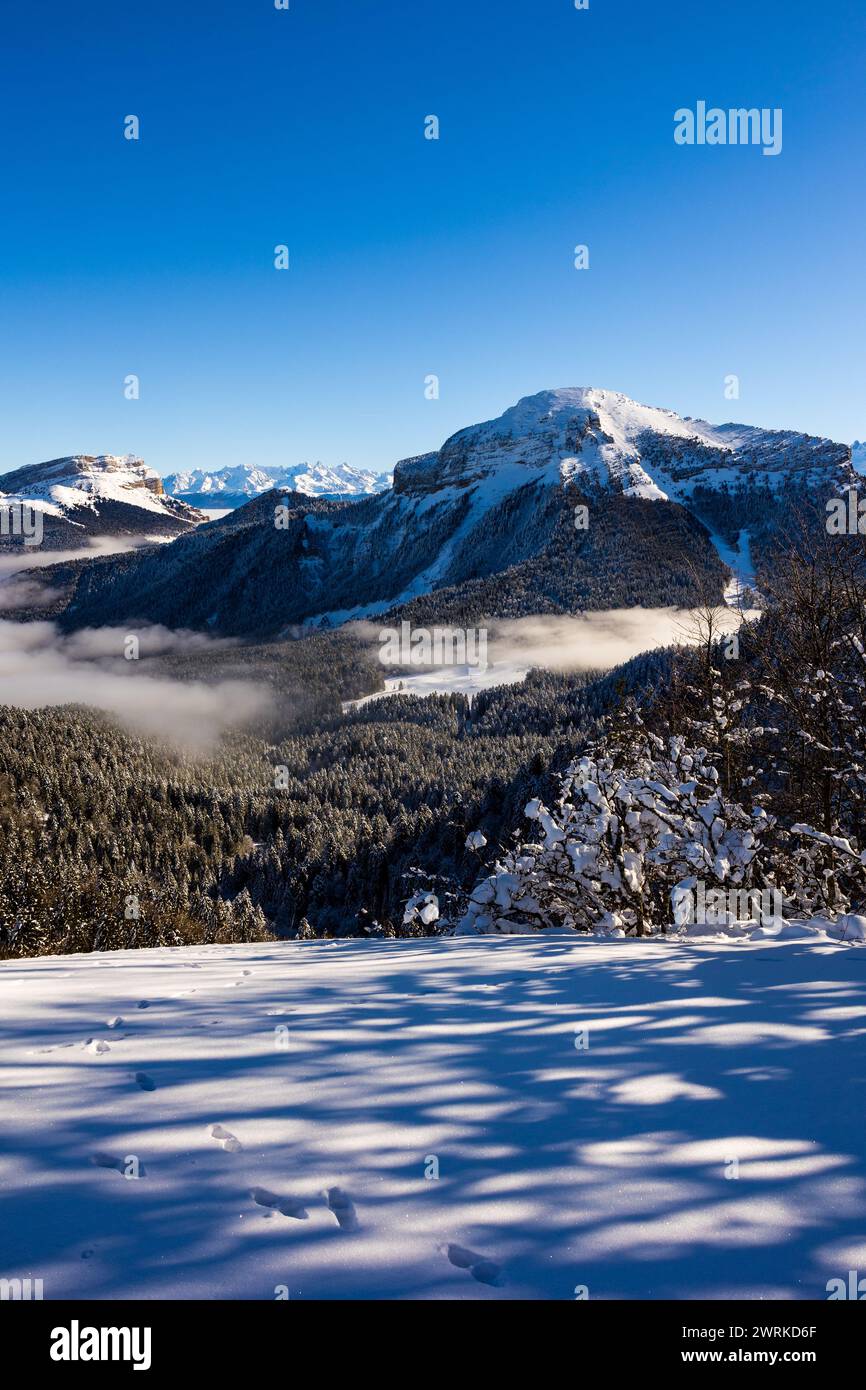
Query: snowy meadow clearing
point(639, 1119)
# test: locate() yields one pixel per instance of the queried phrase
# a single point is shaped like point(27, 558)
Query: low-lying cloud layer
point(579, 642)
point(21, 592)
point(598, 641)
point(39, 666)
point(15, 559)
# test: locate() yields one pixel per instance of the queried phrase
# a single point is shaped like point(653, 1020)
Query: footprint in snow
point(342, 1207)
point(226, 1139)
point(113, 1022)
point(143, 1004)
point(104, 1160)
point(485, 1271)
point(286, 1206)
point(145, 1082)
point(96, 1046)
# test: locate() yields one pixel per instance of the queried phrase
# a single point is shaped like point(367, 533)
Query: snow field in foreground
point(645, 1119)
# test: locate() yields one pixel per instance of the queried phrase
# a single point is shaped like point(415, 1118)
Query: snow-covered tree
point(812, 688)
point(639, 824)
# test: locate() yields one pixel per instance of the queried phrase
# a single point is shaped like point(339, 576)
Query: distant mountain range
point(232, 487)
point(86, 497)
point(485, 526)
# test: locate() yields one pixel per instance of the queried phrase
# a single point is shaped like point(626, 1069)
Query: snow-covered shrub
point(422, 908)
point(639, 824)
point(851, 926)
point(826, 872)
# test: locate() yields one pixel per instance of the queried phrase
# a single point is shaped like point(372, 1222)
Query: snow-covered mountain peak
point(231, 487)
point(605, 439)
point(97, 474)
point(562, 433)
point(89, 495)
point(618, 415)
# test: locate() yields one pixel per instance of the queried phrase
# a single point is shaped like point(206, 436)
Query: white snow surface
point(303, 1166)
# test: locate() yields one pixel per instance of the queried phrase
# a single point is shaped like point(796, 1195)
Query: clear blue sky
point(411, 256)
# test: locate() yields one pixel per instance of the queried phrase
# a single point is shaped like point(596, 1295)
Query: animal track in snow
point(145, 1082)
point(113, 1022)
point(119, 1165)
point(342, 1207)
point(226, 1139)
point(286, 1206)
point(96, 1046)
point(485, 1271)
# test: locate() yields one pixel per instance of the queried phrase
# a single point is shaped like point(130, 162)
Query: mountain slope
point(86, 496)
point(666, 499)
point(232, 487)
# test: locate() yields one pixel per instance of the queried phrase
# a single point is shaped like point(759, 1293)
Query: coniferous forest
point(324, 823)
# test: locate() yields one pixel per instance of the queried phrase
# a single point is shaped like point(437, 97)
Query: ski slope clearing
point(267, 1121)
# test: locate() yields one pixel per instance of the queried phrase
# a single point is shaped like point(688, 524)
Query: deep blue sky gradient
point(409, 256)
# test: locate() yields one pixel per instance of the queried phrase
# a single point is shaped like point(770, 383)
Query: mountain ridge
point(85, 497)
point(233, 486)
point(673, 505)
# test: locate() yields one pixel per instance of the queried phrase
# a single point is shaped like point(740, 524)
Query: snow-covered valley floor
point(609, 1166)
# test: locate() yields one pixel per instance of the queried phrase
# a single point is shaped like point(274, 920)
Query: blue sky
point(412, 257)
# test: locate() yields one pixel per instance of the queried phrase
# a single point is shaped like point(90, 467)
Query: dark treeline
point(108, 841)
